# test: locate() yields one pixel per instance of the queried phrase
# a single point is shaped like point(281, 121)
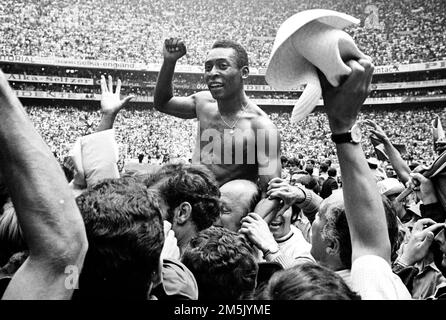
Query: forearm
point(363, 204)
point(399, 165)
point(164, 85)
point(107, 121)
point(310, 204)
point(46, 210)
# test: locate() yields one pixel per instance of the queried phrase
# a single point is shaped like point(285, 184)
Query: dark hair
point(241, 55)
point(223, 263)
point(332, 172)
point(323, 167)
point(307, 281)
point(310, 183)
point(190, 183)
point(309, 169)
point(124, 228)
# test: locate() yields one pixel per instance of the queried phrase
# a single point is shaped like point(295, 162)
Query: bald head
point(238, 197)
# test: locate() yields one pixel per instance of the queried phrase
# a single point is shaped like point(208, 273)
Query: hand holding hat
point(307, 41)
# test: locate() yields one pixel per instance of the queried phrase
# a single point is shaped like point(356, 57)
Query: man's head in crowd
point(323, 167)
point(307, 281)
point(124, 226)
point(280, 226)
point(332, 172)
point(331, 243)
point(391, 188)
point(191, 195)
point(223, 263)
point(238, 198)
point(310, 182)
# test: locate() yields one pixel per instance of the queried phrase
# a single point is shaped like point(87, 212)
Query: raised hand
point(111, 101)
point(173, 49)
point(420, 240)
point(376, 130)
point(343, 103)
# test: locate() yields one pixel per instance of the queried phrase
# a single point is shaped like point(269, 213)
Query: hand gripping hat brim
point(288, 68)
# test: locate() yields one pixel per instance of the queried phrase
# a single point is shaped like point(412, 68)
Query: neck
point(233, 105)
point(184, 236)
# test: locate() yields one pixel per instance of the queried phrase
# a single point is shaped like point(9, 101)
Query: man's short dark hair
point(223, 263)
point(192, 183)
point(241, 54)
point(124, 228)
point(307, 281)
point(332, 172)
point(323, 167)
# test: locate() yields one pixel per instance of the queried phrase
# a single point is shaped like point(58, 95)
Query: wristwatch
point(354, 136)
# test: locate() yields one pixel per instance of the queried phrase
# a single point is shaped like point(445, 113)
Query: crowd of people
point(176, 232)
point(392, 32)
point(157, 136)
point(177, 202)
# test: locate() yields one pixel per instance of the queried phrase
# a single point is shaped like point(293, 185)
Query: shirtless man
point(227, 119)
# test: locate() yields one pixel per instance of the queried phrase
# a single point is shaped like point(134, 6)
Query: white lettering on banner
point(118, 65)
point(71, 96)
point(47, 79)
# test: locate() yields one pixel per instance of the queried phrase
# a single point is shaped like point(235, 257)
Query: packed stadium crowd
point(158, 136)
point(392, 32)
point(114, 200)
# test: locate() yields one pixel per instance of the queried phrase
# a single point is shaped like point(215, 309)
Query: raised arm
point(182, 107)
point(48, 215)
point(269, 165)
point(111, 103)
point(363, 204)
point(399, 165)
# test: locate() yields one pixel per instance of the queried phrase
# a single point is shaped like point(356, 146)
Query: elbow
point(70, 251)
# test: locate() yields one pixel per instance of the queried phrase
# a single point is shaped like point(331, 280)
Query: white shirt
point(372, 278)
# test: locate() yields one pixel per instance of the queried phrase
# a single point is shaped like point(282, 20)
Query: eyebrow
point(217, 60)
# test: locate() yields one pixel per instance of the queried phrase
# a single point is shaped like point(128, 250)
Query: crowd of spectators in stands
point(396, 32)
point(161, 138)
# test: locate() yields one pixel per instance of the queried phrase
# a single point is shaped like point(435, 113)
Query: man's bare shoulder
point(203, 97)
point(260, 119)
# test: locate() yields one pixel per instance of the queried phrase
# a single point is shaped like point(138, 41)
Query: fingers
point(420, 224)
point(282, 210)
point(436, 227)
point(126, 100)
point(118, 87)
point(110, 83)
point(103, 84)
point(275, 180)
point(427, 240)
point(174, 45)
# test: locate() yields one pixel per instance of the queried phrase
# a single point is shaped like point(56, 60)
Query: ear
point(183, 213)
point(332, 248)
point(245, 72)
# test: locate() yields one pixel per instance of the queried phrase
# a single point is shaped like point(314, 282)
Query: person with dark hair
point(223, 263)
point(329, 184)
point(124, 225)
point(238, 198)
point(228, 119)
point(191, 195)
point(307, 281)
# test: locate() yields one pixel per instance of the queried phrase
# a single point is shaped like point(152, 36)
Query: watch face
point(356, 134)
